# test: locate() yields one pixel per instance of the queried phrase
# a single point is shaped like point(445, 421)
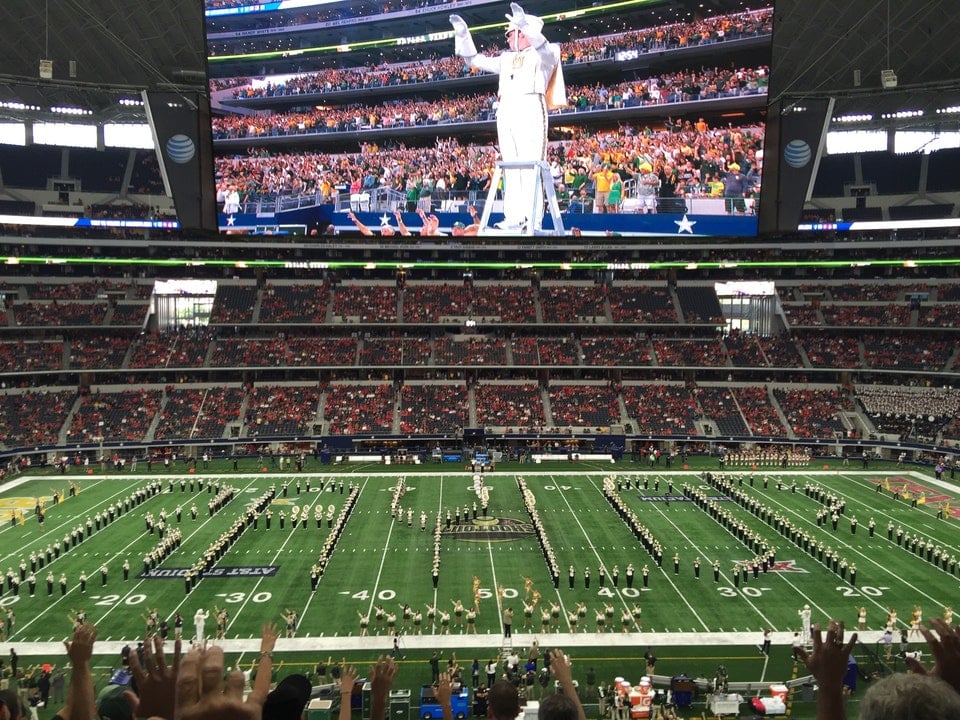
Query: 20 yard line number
point(862, 590)
point(111, 600)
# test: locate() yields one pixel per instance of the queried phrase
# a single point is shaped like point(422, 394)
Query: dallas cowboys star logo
point(231, 220)
point(685, 225)
point(384, 220)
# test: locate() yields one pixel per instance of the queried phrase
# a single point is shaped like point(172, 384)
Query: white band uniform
point(530, 81)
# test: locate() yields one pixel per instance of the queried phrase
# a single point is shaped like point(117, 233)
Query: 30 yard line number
point(239, 597)
point(753, 592)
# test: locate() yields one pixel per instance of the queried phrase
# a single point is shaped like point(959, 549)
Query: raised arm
point(828, 664)
point(261, 683)
point(945, 647)
point(382, 675)
point(560, 668)
point(463, 46)
point(529, 25)
point(81, 699)
point(156, 682)
point(204, 692)
point(403, 230)
point(364, 230)
point(348, 678)
point(442, 692)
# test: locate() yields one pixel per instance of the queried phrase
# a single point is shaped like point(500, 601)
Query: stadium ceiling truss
point(821, 47)
point(99, 49)
point(839, 49)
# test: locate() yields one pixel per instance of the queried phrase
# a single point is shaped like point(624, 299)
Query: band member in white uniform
point(531, 83)
point(199, 619)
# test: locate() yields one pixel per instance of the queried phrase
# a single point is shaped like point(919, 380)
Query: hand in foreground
point(268, 637)
point(261, 681)
point(156, 684)
point(443, 690)
point(348, 678)
point(382, 674)
point(80, 700)
point(202, 693)
point(80, 648)
point(560, 667)
point(828, 662)
point(946, 653)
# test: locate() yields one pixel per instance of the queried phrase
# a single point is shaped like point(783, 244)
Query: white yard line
point(599, 559)
point(210, 518)
point(493, 570)
point(839, 543)
point(767, 622)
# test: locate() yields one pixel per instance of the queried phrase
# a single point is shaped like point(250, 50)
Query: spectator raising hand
point(828, 663)
point(155, 680)
point(203, 693)
point(348, 678)
point(561, 669)
point(945, 650)
point(443, 691)
point(382, 674)
point(80, 704)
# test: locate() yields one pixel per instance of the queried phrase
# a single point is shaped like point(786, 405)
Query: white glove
point(459, 26)
point(463, 45)
point(518, 17)
point(529, 25)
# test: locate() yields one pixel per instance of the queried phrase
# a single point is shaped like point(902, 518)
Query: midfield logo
point(491, 529)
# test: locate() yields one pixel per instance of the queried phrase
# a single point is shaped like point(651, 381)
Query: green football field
point(381, 560)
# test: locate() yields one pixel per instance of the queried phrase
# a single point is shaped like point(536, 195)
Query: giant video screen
point(358, 117)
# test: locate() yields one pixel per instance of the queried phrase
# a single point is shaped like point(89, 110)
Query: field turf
point(693, 624)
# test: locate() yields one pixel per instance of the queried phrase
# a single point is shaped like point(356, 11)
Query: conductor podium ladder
point(506, 648)
point(543, 187)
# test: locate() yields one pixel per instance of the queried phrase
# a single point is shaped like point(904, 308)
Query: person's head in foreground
point(909, 696)
point(503, 703)
point(558, 707)
point(288, 699)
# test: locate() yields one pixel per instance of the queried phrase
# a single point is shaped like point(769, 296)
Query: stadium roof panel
point(841, 49)
point(104, 42)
